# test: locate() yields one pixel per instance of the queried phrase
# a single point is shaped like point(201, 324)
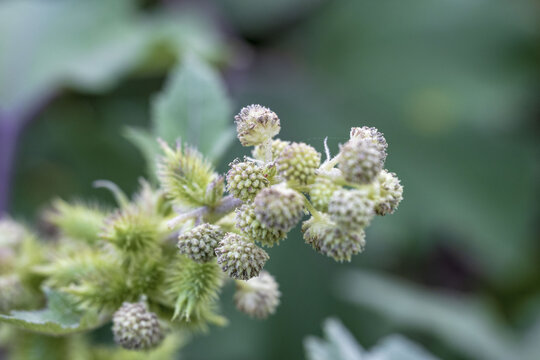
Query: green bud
point(240, 258)
point(298, 163)
point(371, 134)
point(246, 179)
point(390, 193)
point(76, 221)
point(321, 191)
point(279, 207)
point(136, 328)
point(277, 147)
point(360, 161)
point(200, 242)
point(12, 293)
point(11, 232)
point(258, 297)
point(246, 220)
point(351, 209)
point(256, 124)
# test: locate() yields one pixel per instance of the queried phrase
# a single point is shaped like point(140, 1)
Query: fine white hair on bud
point(390, 193)
point(200, 242)
point(247, 222)
point(279, 207)
point(360, 161)
point(371, 134)
point(298, 163)
point(245, 179)
point(257, 297)
point(136, 328)
point(240, 258)
point(351, 209)
point(256, 124)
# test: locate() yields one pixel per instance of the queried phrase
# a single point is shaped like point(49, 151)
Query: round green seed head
point(256, 124)
point(351, 209)
point(136, 328)
point(246, 220)
point(360, 161)
point(12, 293)
point(321, 191)
point(298, 162)
point(240, 258)
point(200, 242)
point(246, 179)
point(390, 193)
point(279, 207)
point(371, 134)
point(277, 147)
point(258, 297)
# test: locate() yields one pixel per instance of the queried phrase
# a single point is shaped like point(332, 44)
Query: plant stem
point(314, 212)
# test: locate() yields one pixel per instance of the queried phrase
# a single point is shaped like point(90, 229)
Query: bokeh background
point(454, 86)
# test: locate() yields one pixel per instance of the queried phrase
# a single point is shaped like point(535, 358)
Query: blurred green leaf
point(147, 144)
point(59, 318)
point(396, 347)
point(194, 107)
point(465, 324)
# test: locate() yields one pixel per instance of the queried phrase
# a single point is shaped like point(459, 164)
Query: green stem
point(314, 212)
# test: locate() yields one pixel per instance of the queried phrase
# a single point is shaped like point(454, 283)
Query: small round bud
point(245, 179)
point(331, 241)
point(200, 242)
point(136, 328)
point(279, 207)
point(12, 293)
point(371, 134)
point(360, 161)
point(351, 209)
point(11, 232)
point(277, 147)
point(390, 193)
point(298, 163)
point(246, 220)
point(258, 297)
point(240, 258)
point(256, 124)
point(321, 191)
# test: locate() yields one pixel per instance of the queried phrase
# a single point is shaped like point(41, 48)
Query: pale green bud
point(136, 328)
point(277, 147)
point(256, 124)
point(240, 258)
point(360, 161)
point(279, 207)
point(351, 209)
point(258, 297)
point(200, 242)
point(390, 193)
point(298, 162)
point(371, 134)
point(246, 220)
point(321, 191)
point(246, 179)
point(12, 293)
point(11, 232)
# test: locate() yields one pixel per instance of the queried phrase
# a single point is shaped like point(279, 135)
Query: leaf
point(194, 107)
point(59, 318)
point(464, 323)
point(146, 143)
point(396, 347)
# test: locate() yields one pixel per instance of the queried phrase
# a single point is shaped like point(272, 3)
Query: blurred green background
point(453, 85)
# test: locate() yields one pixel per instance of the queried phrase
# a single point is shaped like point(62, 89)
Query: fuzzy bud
point(277, 147)
point(371, 134)
point(11, 232)
point(258, 297)
point(279, 207)
point(246, 179)
point(390, 193)
point(351, 209)
point(136, 328)
point(240, 258)
point(200, 242)
point(325, 237)
point(298, 163)
point(12, 293)
point(246, 220)
point(256, 124)
point(321, 191)
point(360, 161)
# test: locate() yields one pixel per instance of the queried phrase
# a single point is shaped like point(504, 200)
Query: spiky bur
point(258, 297)
point(279, 207)
point(321, 192)
point(351, 209)
point(240, 258)
point(192, 289)
point(360, 161)
point(185, 176)
point(77, 220)
point(136, 328)
point(298, 163)
point(246, 221)
point(200, 242)
point(277, 146)
point(373, 135)
point(390, 193)
point(245, 179)
point(330, 240)
point(256, 124)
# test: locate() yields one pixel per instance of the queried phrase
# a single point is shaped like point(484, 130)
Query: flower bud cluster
point(136, 328)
